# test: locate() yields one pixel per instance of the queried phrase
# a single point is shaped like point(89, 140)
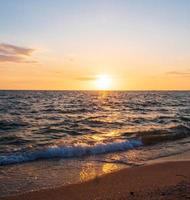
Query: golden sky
point(91, 45)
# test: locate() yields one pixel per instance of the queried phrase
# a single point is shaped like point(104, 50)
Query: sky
point(80, 44)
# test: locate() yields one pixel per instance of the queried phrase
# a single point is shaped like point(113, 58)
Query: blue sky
point(20, 19)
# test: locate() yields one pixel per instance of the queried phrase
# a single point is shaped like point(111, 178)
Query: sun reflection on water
point(88, 172)
point(91, 171)
point(109, 167)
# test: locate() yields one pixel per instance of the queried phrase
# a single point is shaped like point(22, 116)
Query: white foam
point(69, 152)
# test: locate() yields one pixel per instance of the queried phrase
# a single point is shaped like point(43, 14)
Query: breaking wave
point(69, 152)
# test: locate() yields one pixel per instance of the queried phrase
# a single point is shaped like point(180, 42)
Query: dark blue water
point(40, 125)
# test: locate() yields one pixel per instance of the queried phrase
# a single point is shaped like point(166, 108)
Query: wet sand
point(165, 180)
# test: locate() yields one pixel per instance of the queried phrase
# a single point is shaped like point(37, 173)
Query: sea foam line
point(69, 152)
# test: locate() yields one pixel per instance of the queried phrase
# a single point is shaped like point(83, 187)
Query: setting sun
point(103, 82)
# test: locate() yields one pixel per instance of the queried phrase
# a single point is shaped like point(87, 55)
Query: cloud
point(17, 54)
point(12, 49)
point(86, 78)
point(179, 73)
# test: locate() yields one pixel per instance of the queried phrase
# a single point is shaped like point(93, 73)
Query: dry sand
point(165, 180)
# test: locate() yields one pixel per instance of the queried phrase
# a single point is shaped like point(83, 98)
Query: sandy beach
point(166, 179)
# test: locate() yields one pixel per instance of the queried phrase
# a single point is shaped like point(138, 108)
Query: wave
point(157, 136)
point(70, 151)
point(12, 139)
point(132, 140)
point(10, 124)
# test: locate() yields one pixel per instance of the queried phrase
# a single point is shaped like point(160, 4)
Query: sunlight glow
point(103, 82)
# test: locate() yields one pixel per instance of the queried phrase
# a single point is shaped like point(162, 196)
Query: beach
point(168, 178)
point(92, 145)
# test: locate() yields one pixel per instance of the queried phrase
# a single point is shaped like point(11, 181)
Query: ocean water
point(52, 138)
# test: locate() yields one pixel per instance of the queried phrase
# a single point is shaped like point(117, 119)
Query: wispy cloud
point(86, 78)
point(185, 73)
point(17, 54)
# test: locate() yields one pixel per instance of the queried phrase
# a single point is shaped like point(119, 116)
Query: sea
point(54, 138)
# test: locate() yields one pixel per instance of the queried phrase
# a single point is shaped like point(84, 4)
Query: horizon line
point(80, 90)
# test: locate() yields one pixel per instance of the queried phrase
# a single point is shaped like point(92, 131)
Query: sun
point(103, 82)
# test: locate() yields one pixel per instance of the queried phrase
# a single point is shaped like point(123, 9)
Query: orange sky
point(66, 46)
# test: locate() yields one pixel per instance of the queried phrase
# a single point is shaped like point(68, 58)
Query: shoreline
point(165, 178)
